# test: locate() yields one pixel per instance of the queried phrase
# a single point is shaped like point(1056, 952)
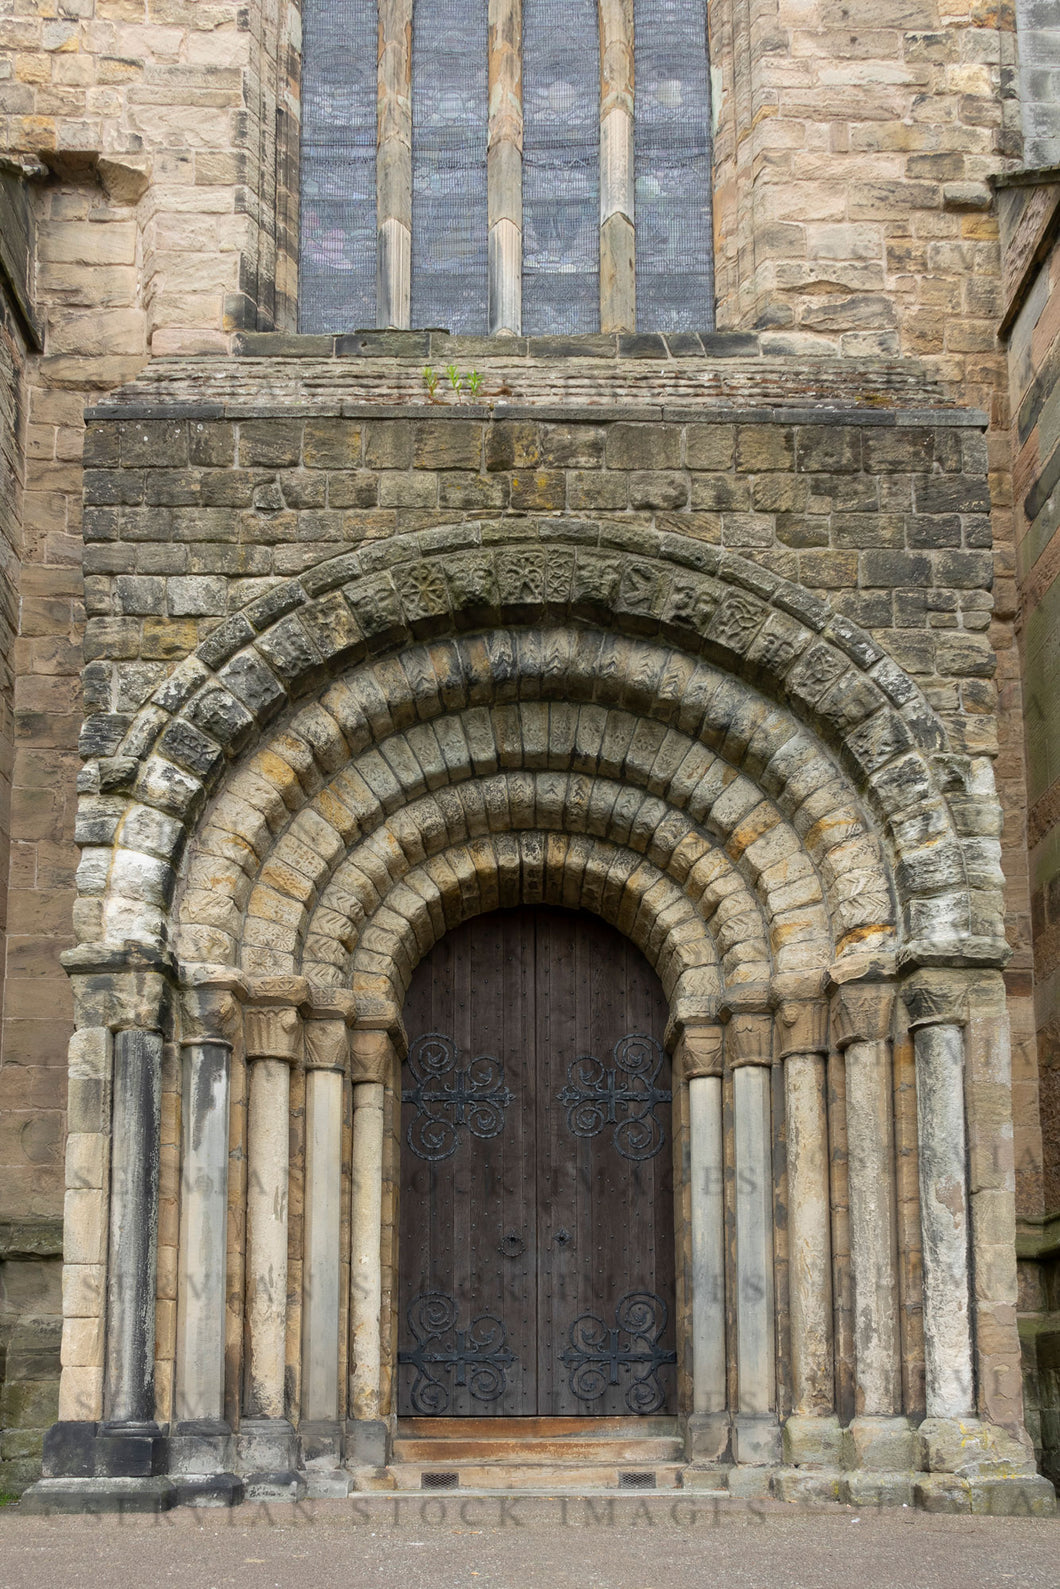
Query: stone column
point(210, 1020)
point(749, 1054)
point(273, 1036)
point(129, 1389)
point(618, 311)
point(372, 1061)
point(394, 165)
point(505, 166)
point(699, 1063)
point(937, 1006)
point(327, 1014)
point(862, 1021)
point(811, 1432)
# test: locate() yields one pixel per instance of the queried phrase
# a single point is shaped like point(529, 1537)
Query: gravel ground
point(490, 1542)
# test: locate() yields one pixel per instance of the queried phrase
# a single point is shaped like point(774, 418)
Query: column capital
point(372, 1055)
point(271, 1025)
point(861, 1012)
point(210, 1001)
point(700, 1051)
point(936, 998)
point(120, 987)
point(801, 1024)
point(328, 1014)
point(747, 1016)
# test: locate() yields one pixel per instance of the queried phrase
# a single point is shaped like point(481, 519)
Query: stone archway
point(681, 743)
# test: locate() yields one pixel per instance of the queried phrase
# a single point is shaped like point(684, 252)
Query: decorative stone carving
point(748, 1026)
point(801, 1020)
point(327, 1015)
point(862, 1013)
point(700, 1052)
point(936, 998)
point(271, 1024)
point(210, 1005)
point(371, 1056)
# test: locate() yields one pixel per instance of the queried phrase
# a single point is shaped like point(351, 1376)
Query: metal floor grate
point(440, 1481)
point(636, 1481)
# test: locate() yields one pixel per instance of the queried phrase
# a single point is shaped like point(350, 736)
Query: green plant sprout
point(474, 381)
point(430, 381)
point(456, 380)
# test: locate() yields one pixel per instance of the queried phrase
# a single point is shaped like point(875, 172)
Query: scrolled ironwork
point(479, 1356)
point(600, 1354)
point(622, 1095)
point(449, 1099)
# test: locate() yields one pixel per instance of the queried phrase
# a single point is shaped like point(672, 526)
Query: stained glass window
point(336, 272)
point(561, 166)
point(449, 132)
point(675, 277)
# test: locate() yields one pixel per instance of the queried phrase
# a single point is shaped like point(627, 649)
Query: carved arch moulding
point(702, 659)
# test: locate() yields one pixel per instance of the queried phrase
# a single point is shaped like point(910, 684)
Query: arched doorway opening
point(537, 1274)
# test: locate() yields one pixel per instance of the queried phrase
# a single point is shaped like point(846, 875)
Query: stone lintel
point(700, 1052)
point(271, 1024)
point(936, 998)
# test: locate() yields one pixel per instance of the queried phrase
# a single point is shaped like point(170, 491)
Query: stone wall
point(1039, 79)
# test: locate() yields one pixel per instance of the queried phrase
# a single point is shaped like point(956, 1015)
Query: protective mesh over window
point(675, 267)
point(561, 166)
point(336, 272)
point(449, 130)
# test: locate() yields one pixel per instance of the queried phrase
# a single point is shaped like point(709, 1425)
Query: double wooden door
point(537, 1210)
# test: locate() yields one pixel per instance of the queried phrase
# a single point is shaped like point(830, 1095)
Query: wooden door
point(537, 1214)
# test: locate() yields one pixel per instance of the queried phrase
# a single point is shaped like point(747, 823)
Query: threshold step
point(546, 1477)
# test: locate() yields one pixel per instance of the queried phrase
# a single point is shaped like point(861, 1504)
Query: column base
point(367, 1443)
point(74, 1450)
point(970, 1448)
point(883, 1445)
point(49, 1497)
point(756, 1440)
point(707, 1438)
point(267, 1451)
point(201, 1446)
point(813, 1442)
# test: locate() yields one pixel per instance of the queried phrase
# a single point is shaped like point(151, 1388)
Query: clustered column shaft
point(862, 1015)
point(273, 1044)
point(372, 1060)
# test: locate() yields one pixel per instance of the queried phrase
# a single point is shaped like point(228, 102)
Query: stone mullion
point(618, 303)
point(937, 1013)
point(802, 1046)
point(372, 1060)
point(505, 167)
point(749, 1054)
point(699, 1064)
point(394, 165)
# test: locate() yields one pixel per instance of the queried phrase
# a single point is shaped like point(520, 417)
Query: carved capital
point(700, 1052)
point(271, 1024)
point(372, 1055)
point(801, 1027)
point(936, 998)
point(748, 1040)
point(862, 1013)
point(327, 1015)
point(210, 1004)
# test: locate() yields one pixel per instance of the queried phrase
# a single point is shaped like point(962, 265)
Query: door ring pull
point(511, 1245)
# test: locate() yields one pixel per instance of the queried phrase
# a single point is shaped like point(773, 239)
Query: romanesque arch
point(436, 726)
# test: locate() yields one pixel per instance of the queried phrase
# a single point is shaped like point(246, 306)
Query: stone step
point(563, 1448)
point(637, 1428)
point(542, 1477)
